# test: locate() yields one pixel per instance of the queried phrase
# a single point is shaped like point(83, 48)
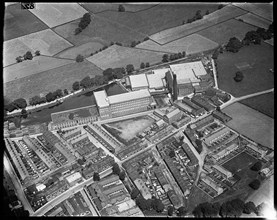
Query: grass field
point(256, 78)
point(253, 124)
point(125, 131)
point(46, 41)
point(84, 49)
point(252, 19)
point(18, 22)
point(264, 10)
point(224, 14)
point(29, 67)
point(194, 43)
point(56, 14)
point(196, 197)
point(117, 56)
point(48, 81)
point(221, 33)
point(262, 103)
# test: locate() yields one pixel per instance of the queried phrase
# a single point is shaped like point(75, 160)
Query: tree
point(50, 97)
point(165, 58)
point(142, 65)
point(121, 8)
point(253, 37)
point(37, 53)
point(147, 64)
point(119, 73)
point(170, 210)
point(189, 20)
point(86, 17)
point(239, 76)
point(238, 206)
point(181, 211)
point(130, 68)
point(270, 29)
point(28, 55)
point(198, 15)
point(157, 205)
point(76, 86)
point(78, 30)
point(148, 204)
point(24, 113)
point(141, 203)
point(197, 212)
point(184, 54)
point(207, 12)
point(19, 59)
point(79, 58)
point(234, 45)
point(249, 208)
point(223, 210)
point(99, 80)
point(116, 169)
point(20, 103)
point(133, 44)
point(59, 93)
point(96, 176)
point(199, 145)
point(255, 184)
point(134, 194)
point(220, 6)
point(146, 38)
point(172, 154)
point(65, 92)
point(108, 73)
point(85, 83)
point(257, 166)
point(215, 54)
point(265, 35)
point(122, 175)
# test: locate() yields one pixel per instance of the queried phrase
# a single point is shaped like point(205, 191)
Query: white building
point(138, 82)
point(74, 178)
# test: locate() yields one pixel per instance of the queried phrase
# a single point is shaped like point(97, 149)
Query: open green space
point(257, 76)
point(126, 130)
point(18, 22)
point(251, 123)
point(262, 103)
point(196, 197)
point(49, 81)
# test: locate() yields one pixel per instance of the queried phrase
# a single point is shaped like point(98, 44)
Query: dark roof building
point(197, 99)
point(221, 116)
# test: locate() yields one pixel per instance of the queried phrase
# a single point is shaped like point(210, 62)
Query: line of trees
point(166, 58)
point(84, 22)
point(27, 56)
point(117, 171)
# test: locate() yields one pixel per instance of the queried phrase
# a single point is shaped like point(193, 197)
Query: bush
point(78, 30)
point(79, 58)
point(239, 76)
point(134, 194)
point(147, 65)
point(37, 53)
point(255, 184)
point(142, 65)
point(28, 56)
point(76, 86)
point(249, 207)
point(121, 8)
point(257, 166)
point(24, 113)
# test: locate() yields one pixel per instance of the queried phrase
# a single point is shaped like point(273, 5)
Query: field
point(253, 124)
point(48, 81)
point(57, 14)
point(264, 10)
point(221, 33)
point(46, 41)
point(117, 56)
point(36, 65)
point(196, 197)
point(20, 22)
point(262, 103)
point(125, 131)
point(224, 14)
point(84, 49)
point(256, 78)
point(255, 20)
point(194, 43)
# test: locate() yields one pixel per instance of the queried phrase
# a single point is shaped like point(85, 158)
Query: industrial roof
point(155, 79)
point(73, 177)
point(173, 113)
point(222, 170)
point(138, 81)
point(101, 98)
point(129, 96)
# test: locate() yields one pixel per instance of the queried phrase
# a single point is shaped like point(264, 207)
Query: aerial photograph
point(139, 109)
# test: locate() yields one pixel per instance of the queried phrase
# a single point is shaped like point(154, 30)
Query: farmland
point(84, 49)
point(256, 78)
point(262, 103)
point(224, 14)
point(36, 65)
point(57, 14)
point(221, 33)
point(20, 22)
point(254, 20)
point(191, 44)
point(117, 56)
point(253, 124)
point(46, 41)
point(48, 81)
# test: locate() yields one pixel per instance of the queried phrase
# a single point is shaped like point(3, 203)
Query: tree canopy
point(130, 68)
point(255, 184)
point(134, 194)
point(76, 86)
point(234, 45)
point(181, 211)
point(239, 76)
point(121, 8)
point(249, 208)
point(116, 169)
point(257, 166)
point(79, 58)
point(122, 175)
point(96, 176)
point(170, 210)
point(20, 103)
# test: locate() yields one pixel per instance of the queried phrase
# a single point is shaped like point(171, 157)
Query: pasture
point(264, 10)
point(251, 123)
point(224, 14)
point(254, 20)
point(46, 41)
point(29, 67)
point(221, 33)
point(54, 14)
point(18, 22)
point(191, 44)
point(117, 56)
point(84, 49)
point(262, 103)
point(257, 78)
point(48, 81)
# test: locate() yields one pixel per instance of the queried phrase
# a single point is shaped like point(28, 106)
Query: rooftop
point(129, 96)
point(222, 169)
point(73, 177)
point(101, 98)
point(138, 81)
point(155, 80)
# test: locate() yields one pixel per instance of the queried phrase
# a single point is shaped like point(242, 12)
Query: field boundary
point(237, 18)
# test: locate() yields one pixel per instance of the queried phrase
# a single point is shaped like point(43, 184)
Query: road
point(214, 72)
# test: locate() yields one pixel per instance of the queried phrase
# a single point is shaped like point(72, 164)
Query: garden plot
point(264, 10)
point(84, 49)
point(221, 33)
point(191, 44)
point(54, 14)
point(224, 14)
point(117, 56)
point(29, 67)
point(46, 41)
point(251, 123)
point(254, 20)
